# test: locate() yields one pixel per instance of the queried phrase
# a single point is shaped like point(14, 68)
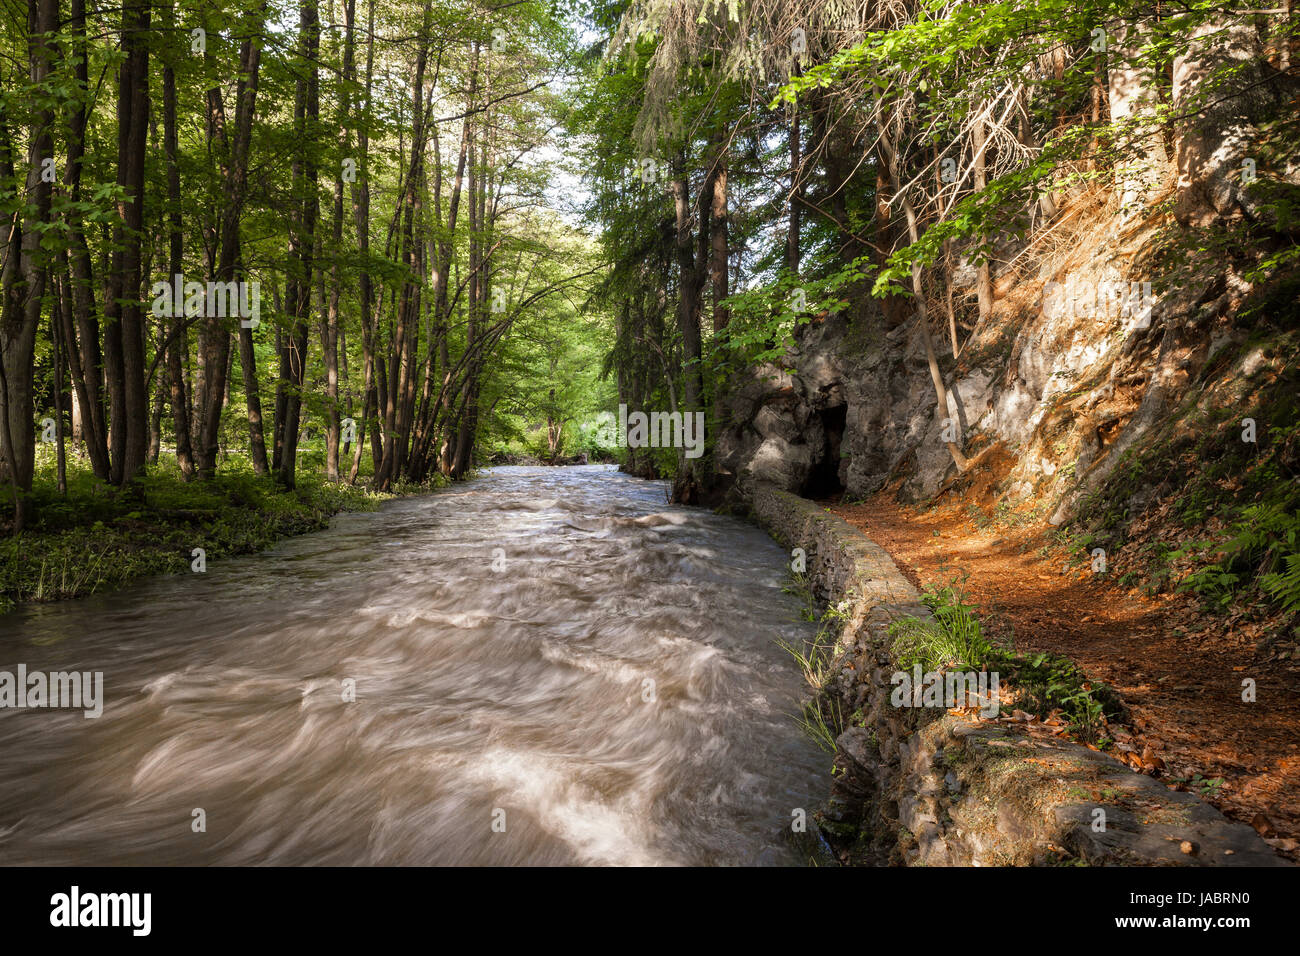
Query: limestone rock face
point(850, 405)
point(1075, 365)
point(1226, 83)
point(780, 462)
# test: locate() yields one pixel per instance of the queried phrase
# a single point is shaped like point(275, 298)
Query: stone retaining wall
point(922, 786)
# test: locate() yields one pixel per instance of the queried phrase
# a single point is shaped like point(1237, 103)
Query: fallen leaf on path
point(1263, 825)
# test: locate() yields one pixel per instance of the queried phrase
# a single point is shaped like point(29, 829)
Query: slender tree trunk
point(330, 325)
point(61, 463)
point(361, 214)
point(125, 306)
point(329, 334)
point(889, 157)
point(80, 273)
point(252, 400)
point(718, 236)
point(26, 272)
point(688, 316)
point(159, 399)
point(69, 348)
point(892, 307)
point(796, 190)
point(947, 295)
point(400, 371)
point(983, 277)
point(302, 246)
point(177, 396)
point(214, 340)
point(448, 452)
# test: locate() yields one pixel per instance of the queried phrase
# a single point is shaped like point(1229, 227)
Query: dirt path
point(1179, 672)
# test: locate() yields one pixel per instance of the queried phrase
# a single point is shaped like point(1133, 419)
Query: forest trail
point(551, 666)
point(1177, 671)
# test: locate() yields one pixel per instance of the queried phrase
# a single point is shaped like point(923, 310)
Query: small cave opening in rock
point(824, 479)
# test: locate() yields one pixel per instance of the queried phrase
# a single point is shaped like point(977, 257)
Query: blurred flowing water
point(617, 690)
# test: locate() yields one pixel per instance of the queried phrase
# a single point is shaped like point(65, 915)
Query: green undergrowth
point(954, 639)
point(820, 717)
point(97, 537)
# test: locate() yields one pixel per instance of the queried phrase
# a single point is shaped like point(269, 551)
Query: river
point(538, 666)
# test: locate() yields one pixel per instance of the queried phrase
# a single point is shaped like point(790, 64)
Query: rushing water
point(605, 688)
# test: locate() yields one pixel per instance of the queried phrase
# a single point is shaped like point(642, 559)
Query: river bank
point(95, 537)
point(938, 784)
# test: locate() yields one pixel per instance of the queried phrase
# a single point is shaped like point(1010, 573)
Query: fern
point(1262, 540)
point(1284, 586)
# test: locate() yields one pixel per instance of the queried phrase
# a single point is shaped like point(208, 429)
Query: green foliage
point(1206, 787)
point(764, 317)
point(815, 656)
point(1046, 682)
point(801, 587)
point(953, 639)
point(820, 716)
point(946, 60)
point(1261, 551)
point(1043, 682)
point(820, 719)
point(98, 537)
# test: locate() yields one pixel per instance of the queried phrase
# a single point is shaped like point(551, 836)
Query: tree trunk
point(361, 214)
point(124, 311)
point(176, 266)
point(61, 463)
point(25, 274)
point(214, 339)
point(302, 247)
point(796, 190)
point(159, 400)
point(889, 157)
point(983, 276)
point(87, 359)
point(1222, 87)
point(718, 238)
point(688, 316)
point(252, 401)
